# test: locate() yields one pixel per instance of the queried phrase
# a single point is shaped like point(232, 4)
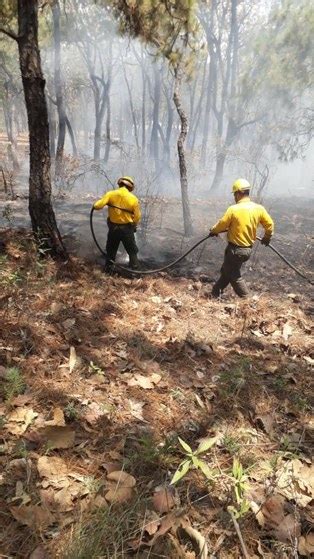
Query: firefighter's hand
point(134, 228)
point(211, 234)
point(265, 241)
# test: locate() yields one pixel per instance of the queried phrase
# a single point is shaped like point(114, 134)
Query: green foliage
point(164, 24)
point(231, 444)
point(234, 379)
point(71, 412)
point(14, 383)
point(239, 479)
point(284, 50)
point(93, 368)
point(106, 533)
point(193, 461)
point(13, 278)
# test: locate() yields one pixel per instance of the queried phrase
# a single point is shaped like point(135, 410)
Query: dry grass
point(225, 368)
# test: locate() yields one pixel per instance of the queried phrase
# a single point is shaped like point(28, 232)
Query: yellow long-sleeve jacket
point(241, 221)
point(124, 199)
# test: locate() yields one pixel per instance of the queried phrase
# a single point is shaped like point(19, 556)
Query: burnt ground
point(102, 374)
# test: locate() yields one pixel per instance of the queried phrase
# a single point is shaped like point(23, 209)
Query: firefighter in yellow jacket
point(123, 216)
point(240, 222)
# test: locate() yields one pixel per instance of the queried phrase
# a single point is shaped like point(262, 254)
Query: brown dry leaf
point(19, 420)
point(60, 501)
point(34, 516)
point(163, 499)
point(155, 378)
point(58, 418)
point(99, 502)
point(51, 466)
point(140, 380)
point(152, 523)
point(271, 515)
point(94, 411)
point(122, 478)
point(171, 520)
point(288, 530)
point(266, 421)
point(20, 494)
point(39, 553)
point(58, 482)
point(120, 487)
point(287, 331)
point(295, 480)
point(72, 359)
point(58, 437)
point(118, 494)
point(111, 467)
point(21, 400)
point(306, 545)
point(136, 409)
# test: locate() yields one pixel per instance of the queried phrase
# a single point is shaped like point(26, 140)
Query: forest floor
point(101, 375)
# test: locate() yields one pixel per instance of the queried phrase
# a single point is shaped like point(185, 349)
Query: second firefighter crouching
point(124, 214)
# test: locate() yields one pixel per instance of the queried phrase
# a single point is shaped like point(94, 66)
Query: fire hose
point(184, 255)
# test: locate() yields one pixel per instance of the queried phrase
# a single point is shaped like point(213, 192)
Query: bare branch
point(9, 33)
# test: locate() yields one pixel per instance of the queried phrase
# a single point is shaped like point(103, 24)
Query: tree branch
point(9, 33)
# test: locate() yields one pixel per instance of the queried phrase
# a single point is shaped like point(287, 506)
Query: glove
point(265, 241)
point(134, 228)
point(211, 234)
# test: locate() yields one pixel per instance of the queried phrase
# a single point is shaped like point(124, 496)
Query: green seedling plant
point(93, 368)
point(192, 460)
point(71, 412)
point(239, 479)
point(14, 383)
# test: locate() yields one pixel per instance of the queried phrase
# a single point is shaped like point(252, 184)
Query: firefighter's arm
point(267, 223)
point(137, 213)
point(223, 224)
point(102, 202)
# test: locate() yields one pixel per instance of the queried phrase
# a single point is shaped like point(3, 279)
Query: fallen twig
point(238, 531)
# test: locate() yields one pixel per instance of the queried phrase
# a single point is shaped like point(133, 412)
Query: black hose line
point(288, 263)
point(168, 266)
point(142, 272)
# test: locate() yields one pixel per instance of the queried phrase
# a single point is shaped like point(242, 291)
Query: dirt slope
point(102, 374)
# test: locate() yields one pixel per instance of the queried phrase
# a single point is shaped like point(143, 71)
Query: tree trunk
point(52, 129)
point(187, 221)
point(167, 151)
point(72, 136)
point(108, 130)
point(220, 163)
point(154, 144)
point(97, 136)
point(58, 88)
point(8, 118)
point(41, 212)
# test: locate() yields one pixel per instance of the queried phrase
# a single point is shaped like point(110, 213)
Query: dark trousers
point(123, 233)
point(230, 272)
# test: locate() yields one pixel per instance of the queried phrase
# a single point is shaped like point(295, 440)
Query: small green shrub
point(192, 460)
point(14, 383)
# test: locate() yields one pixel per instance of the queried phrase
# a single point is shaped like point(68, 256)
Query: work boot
point(134, 262)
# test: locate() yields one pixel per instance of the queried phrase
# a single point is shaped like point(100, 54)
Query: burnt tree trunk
point(40, 208)
point(187, 220)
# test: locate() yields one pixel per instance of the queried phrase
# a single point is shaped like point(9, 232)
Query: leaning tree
point(170, 26)
point(40, 206)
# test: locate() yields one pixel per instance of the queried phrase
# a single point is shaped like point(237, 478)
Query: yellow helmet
point(240, 185)
point(126, 181)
